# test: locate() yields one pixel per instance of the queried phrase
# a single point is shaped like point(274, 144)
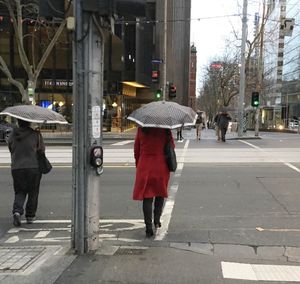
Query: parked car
point(294, 124)
point(5, 130)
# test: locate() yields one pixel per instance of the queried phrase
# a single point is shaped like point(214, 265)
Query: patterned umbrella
point(34, 113)
point(163, 114)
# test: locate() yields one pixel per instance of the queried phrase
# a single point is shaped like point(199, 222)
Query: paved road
point(229, 202)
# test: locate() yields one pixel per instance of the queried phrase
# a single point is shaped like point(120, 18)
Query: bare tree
point(21, 13)
point(221, 84)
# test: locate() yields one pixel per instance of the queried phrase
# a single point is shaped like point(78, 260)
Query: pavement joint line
point(21, 258)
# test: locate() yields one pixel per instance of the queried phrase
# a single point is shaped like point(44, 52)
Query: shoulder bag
point(170, 154)
point(44, 164)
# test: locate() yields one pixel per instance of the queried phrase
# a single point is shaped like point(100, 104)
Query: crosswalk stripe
point(122, 143)
point(42, 234)
point(12, 240)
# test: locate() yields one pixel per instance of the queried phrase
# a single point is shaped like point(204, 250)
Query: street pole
point(164, 79)
point(260, 68)
point(87, 92)
point(242, 71)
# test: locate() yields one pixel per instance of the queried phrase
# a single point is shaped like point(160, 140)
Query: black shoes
point(157, 225)
point(17, 219)
point(30, 220)
point(149, 233)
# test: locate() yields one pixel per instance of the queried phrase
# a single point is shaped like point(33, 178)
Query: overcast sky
point(215, 26)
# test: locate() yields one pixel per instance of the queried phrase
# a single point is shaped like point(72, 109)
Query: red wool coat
point(152, 173)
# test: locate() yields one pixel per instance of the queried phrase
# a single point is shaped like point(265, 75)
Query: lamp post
point(242, 71)
point(164, 79)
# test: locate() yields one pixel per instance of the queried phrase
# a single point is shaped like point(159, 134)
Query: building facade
point(178, 44)
point(135, 42)
point(281, 64)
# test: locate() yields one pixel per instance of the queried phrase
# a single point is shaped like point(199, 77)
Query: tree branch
point(49, 48)
point(18, 28)
point(5, 70)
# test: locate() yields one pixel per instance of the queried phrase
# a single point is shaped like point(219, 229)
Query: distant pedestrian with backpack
point(199, 125)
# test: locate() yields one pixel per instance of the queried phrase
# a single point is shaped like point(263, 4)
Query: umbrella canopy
point(34, 113)
point(163, 114)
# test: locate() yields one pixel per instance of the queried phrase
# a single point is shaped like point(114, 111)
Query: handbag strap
point(39, 140)
point(168, 133)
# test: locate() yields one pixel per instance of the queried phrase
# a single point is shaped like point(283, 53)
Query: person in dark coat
point(152, 173)
point(23, 144)
point(217, 128)
point(223, 122)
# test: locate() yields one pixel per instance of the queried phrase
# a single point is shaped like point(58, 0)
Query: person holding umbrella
point(155, 121)
point(23, 144)
point(152, 173)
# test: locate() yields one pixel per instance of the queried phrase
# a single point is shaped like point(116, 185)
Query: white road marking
point(260, 272)
point(49, 240)
point(42, 234)
point(276, 230)
point(12, 240)
point(251, 145)
point(280, 160)
point(292, 167)
point(122, 143)
point(106, 225)
point(169, 205)
point(17, 230)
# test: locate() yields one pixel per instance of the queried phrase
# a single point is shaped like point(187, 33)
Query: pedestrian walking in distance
point(23, 144)
point(217, 128)
point(179, 134)
point(223, 122)
point(152, 173)
point(199, 125)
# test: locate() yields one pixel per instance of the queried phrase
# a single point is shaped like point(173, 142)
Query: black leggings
point(147, 209)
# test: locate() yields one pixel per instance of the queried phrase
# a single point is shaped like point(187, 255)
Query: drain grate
point(14, 259)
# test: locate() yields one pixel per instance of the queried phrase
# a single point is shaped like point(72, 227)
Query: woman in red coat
point(152, 173)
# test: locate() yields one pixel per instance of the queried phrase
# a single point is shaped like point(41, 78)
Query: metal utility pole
point(164, 79)
point(242, 71)
point(260, 67)
point(87, 93)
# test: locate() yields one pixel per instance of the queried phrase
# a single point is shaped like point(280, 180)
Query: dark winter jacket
point(23, 144)
point(223, 120)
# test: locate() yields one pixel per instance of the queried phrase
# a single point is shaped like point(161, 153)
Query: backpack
point(199, 119)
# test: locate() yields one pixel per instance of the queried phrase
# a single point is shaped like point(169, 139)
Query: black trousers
point(179, 134)
point(26, 184)
point(223, 133)
point(147, 210)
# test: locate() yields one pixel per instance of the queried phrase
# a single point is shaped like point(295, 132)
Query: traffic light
point(172, 90)
point(255, 99)
point(158, 95)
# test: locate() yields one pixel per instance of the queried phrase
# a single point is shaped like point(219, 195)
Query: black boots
point(147, 210)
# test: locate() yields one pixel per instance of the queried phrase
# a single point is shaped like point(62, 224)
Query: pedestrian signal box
point(155, 76)
point(255, 99)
